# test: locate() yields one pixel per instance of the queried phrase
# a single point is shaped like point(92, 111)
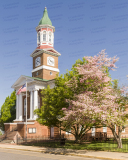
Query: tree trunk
point(119, 142)
point(76, 139)
point(117, 137)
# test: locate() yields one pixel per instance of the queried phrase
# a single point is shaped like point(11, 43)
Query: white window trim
point(104, 129)
point(38, 39)
point(31, 130)
point(93, 132)
point(51, 37)
point(123, 131)
point(43, 36)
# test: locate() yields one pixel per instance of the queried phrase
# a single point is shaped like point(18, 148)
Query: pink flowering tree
point(111, 110)
point(114, 111)
point(95, 101)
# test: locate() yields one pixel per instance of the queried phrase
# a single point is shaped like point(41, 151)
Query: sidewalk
point(83, 153)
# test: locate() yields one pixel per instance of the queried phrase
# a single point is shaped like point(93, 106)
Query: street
point(12, 154)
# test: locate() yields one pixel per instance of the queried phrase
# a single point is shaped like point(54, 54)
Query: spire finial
point(45, 19)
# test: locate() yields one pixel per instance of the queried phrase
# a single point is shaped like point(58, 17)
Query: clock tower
point(45, 57)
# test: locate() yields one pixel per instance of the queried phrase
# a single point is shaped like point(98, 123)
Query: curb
point(62, 153)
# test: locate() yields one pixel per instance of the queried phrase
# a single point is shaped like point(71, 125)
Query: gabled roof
point(50, 51)
point(22, 80)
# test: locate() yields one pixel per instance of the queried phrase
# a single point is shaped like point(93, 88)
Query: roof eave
point(22, 76)
point(45, 26)
point(57, 54)
point(14, 86)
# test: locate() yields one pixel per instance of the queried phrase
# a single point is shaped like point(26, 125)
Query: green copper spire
point(45, 19)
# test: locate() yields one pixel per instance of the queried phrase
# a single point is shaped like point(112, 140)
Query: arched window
point(44, 35)
point(39, 37)
point(50, 37)
point(25, 107)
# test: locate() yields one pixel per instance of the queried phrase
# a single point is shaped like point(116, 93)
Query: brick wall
point(21, 130)
point(44, 73)
point(10, 127)
point(40, 130)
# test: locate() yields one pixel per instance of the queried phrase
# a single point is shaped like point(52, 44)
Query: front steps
point(8, 137)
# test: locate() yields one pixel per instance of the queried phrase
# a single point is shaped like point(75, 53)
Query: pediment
point(21, 81)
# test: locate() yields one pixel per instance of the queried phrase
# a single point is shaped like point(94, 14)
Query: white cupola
point(45, 32)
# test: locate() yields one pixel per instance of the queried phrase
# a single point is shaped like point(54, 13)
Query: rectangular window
point(44, 37)
point(34, 130)
point(31, 130)
point(93, 131)
point(104, 129)
point(123, 129)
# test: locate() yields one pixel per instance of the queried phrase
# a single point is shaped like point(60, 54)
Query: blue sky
point(82, 28)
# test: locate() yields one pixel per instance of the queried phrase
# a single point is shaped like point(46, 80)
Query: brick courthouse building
point(45, 68)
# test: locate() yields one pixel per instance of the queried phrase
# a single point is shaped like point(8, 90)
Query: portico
point(34, 88)
point(33, 103)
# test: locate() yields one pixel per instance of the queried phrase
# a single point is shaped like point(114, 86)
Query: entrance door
point(52, 132)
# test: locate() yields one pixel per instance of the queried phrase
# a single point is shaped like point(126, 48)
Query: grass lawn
point(101, 146)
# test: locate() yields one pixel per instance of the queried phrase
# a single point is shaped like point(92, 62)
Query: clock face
point(37, 61)
point(50, 61)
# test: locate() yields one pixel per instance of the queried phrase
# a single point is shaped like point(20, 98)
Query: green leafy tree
point(53, 100)
point(8, 110)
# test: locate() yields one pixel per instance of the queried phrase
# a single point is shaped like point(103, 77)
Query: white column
point(31, 104)
point(17, 107)
point(35, 102)
point(20, 107)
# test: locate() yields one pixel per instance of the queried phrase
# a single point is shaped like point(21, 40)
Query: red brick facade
point(40, 130)
point(44, 73)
